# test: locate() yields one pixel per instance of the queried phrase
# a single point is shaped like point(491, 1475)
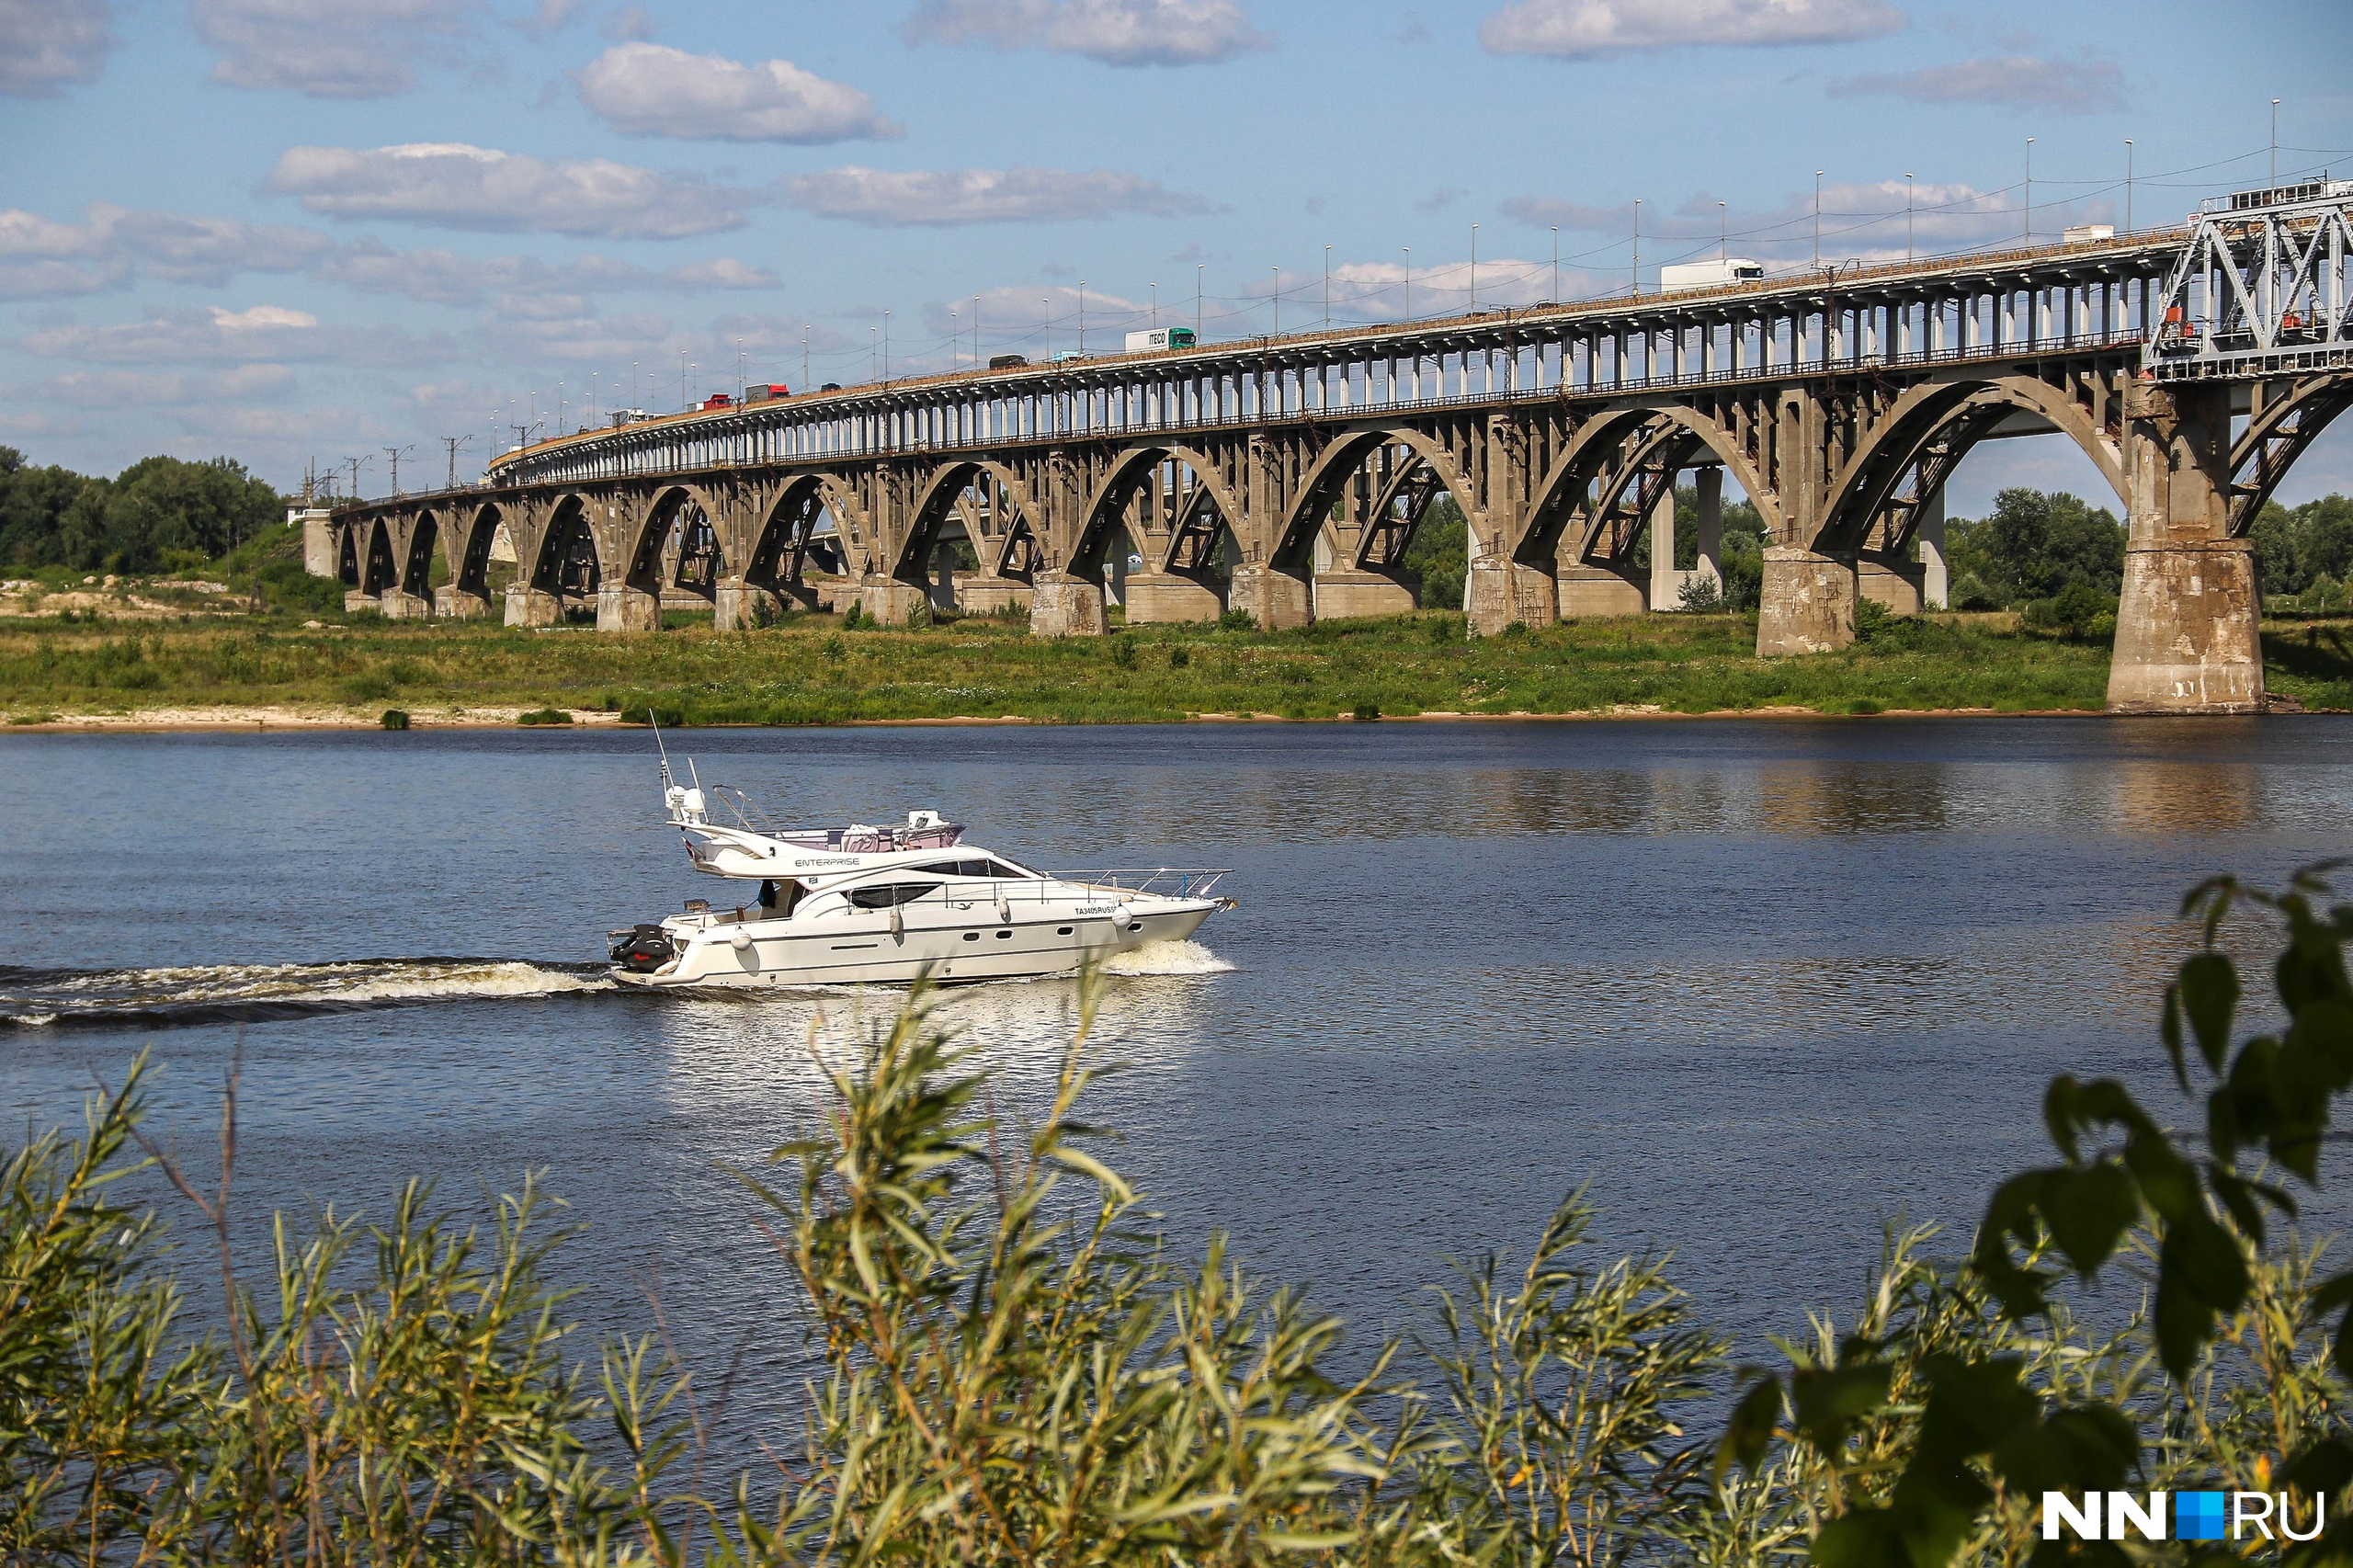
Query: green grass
point(810, 670)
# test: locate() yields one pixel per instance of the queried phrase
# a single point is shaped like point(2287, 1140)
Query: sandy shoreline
point(187, 721)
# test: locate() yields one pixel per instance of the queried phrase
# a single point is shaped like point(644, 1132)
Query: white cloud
point(46, 44)
point(260, 333)
point(939, 197)
point(458, 186)
point(114, 389)
point(40, 256)
point(2017, 81)
point(649, 89)
point(1586, 30)
point(1118, 33)
point(440, 277)
point(328, 49)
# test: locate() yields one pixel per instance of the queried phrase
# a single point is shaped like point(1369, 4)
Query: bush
point(854, 617)
point(558, 716)
point(1124, 653)
point(1180, 656)
point(1237, 621)
point(2072, 612)
point(394, 719)
point(1700, 595)
point(646, 713)
point(1366, 712)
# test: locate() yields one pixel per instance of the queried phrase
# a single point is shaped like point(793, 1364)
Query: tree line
point(161, 514)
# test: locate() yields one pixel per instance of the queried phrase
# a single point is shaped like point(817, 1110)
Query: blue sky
point(294, 229)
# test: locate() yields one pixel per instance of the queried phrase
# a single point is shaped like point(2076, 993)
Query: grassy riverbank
point(812, 670)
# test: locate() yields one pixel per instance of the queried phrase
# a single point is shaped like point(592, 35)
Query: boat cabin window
point(777, 898)
point(883, 895)
point(977, 866)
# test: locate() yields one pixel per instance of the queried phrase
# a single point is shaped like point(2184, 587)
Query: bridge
point(1286, 476)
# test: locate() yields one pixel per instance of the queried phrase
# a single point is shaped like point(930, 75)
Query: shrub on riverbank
point(1018, 1372)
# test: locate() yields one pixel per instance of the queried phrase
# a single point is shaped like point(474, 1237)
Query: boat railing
point(1170, 882)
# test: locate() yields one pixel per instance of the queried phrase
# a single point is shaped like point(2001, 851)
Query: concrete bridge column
point(1063, 606)
point(1666, 582)
point(400, 605)
point(452, 602)
point(890, 602)
point(2188, 639)
point(1339, 595)
point(731, 606)
point(981, 592)
point(622, 608)
point(529, 607)
point(1808, 603)
point(1936, 589)
point(1503, 592)
point(1168, 596)
point(1277, 600)
point(1710, 482)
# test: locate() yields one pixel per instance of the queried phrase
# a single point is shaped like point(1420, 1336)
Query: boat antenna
point(658, 745)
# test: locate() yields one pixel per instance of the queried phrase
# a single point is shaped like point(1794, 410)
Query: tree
point(159, 512)
point(1441, 553)
point(2033, 544)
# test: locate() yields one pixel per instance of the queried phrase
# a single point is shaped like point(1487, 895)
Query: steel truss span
point(1287, 476)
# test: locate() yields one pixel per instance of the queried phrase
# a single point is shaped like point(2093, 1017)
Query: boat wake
point(1181, 957)
point(215, 994)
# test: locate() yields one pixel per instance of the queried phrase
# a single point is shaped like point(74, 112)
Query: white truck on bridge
point(1684, 277)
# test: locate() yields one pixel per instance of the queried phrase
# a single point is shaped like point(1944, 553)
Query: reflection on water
point(1762, 984)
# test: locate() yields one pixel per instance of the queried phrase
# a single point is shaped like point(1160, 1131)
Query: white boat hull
point(945, 943)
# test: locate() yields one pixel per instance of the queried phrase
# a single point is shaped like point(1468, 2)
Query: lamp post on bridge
point(2029, 192)
point(2127, 187)
point(1907, 215)
point(1474, 269)
point(1817, 219)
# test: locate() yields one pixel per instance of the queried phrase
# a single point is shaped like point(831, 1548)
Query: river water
point(1761, 986)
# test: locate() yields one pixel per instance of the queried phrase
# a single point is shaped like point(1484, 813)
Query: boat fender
point(741, 941)
point(898, 923)
point(1004, 909)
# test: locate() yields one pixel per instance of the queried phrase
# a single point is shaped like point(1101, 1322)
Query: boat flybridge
point(863, 905)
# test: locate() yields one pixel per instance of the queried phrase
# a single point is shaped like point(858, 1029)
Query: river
point(1761, 986)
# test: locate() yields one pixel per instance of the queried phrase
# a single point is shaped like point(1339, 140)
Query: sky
point(304, 231)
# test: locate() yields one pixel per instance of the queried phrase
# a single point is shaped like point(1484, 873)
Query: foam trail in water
point(211, 992)
point(1181, 957)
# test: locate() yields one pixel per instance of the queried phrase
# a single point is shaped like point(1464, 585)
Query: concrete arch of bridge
point(1321, 486)
point(936, 501)
point(2277, 434)
point(380, 564)
point(1107, 507)
point(1564, 490)
point(414, 589)
point(1936, 412)
point(640, 541)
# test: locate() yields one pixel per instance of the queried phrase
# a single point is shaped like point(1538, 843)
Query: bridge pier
point(1502, 592)
point(453, 603)
point(1168, 596)
point(1895, 584)
point(1808, 603)
point(979, 593)
point(620, 607)
point(1064, 606)
point(1341, 595)
point(1277, 600)
point(1710, 485)
point(1586, 589)
point(531, 607)
point(2187, 629)
point(731, 607)
point(890, 602)
point(1666, 582)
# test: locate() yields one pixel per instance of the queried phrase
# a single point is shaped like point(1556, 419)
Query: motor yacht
point(866, 905)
